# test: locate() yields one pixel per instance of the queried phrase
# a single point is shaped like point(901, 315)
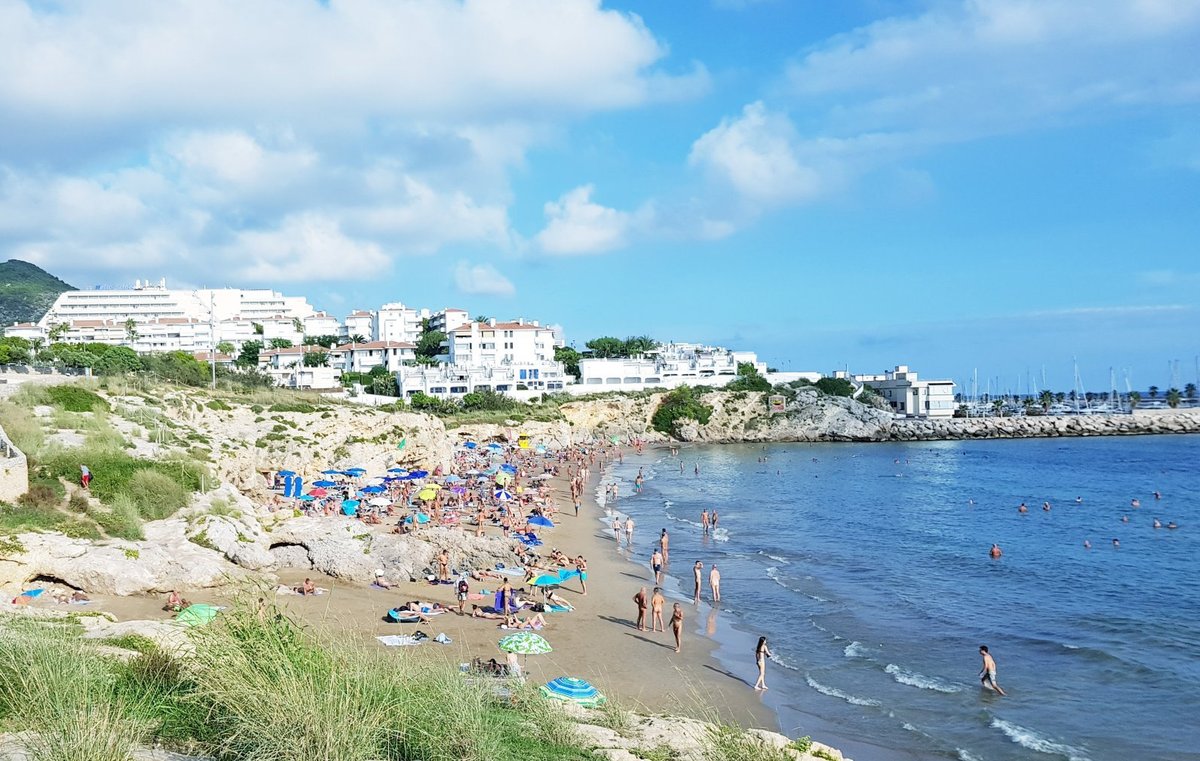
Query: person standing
point(642, 600)
point(656, 563)
point(677, 626)
point(85, 476)
point(464, 590)
point(761, 654)
point(628, 531)
point(664, 542)
point(697, 570)
point(987, 677)
point(714, 583)
point(715, 518)
point(443, 563)
point(656, 609)
point(581, 569)
point(704, 521)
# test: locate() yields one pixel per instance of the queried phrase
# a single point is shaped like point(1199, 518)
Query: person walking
point(656, 610)
point(656, 564)
point(642, 600)
point(85, 476)
point(987, 676)
point(697, 571)
point(677, 626)
point(761, 654)
point(714, 583)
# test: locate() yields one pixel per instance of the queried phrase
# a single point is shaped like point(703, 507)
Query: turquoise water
point(867, 567)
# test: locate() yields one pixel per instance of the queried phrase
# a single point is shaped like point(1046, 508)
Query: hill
point(26, 291)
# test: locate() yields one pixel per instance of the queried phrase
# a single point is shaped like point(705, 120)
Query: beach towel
point(398, 640)
point(397, 616)
point(559, 609)
point(512, 608)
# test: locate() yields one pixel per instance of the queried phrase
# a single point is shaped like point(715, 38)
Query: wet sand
point(598, 641)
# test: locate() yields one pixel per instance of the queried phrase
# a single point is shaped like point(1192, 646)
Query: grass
point(732, 743)
point(75, 398)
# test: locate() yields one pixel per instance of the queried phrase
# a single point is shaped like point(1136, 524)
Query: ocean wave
point(783, 661)
point(1027, 738)
point(855, 650)
point(965, 756)
point(913, 679)
point(776, 558)
point(833, 692)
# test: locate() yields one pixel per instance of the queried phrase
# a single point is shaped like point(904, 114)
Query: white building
point(668, 366)
point(448, 319)
point(910, 396)
point(321, 324)
point(364, 357)
point(396, 322)
point(501, 344)
point(358, 323)
point(282, 328)
point(453, 381)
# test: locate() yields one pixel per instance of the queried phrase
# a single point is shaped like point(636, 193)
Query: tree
point(298, 325)
point(225, 347)
point(1046, 398)
point(606, 346)
point(326, 341)
point(835, 386)
point(998, 407)
point(249, 354)
point(316, 358)
point(1060, 397)
point(482, 318)
point(569, 357)
point(1173, 397)
point(1190, 391)
point(131, 331)
point(1153, 392)
point(429, 345)
point(639, 345)
point(1134, 398)
point(280, 343)
point(748, 379)
point(118, 360)
point(358, 338)
point(57, 332)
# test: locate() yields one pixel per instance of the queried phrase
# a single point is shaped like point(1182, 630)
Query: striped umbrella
point(525, 643)
point(572, 690)
point(502, 494)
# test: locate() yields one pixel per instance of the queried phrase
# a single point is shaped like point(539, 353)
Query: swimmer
point(1135, 503)
point(1157, 523)
point(1087, 545)
point(1124, 519)
point(1117, 543)
point(1022, 509)
point(1157, 495)
point(1046, 506)
point(1172, 525)
point(1078, 500)
point(995, 552)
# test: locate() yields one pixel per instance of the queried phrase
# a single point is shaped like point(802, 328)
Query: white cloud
point(968, 69)
point(306, 247)
point(482, 279)
point(576, 225)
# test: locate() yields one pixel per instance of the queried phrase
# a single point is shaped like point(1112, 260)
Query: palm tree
point(1190, 391)
point(1153, 392)
point(357, 338)
point(1173, 397)
point(1047, 399)
point(1134, 398)
point(131, 333)
point(998, 407)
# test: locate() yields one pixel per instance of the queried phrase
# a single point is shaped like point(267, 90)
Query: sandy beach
point(597, 641)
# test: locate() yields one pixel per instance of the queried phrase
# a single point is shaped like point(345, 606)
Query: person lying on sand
point(558, 600)
point(484, 573)
point(534, 622)
point(485, 611)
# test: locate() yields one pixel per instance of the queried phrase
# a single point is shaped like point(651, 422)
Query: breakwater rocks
point(1156, 422)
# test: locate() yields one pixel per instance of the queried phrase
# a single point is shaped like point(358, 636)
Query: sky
point(1007, 187)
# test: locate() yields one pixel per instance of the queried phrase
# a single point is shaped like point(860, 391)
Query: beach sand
point(598, 641)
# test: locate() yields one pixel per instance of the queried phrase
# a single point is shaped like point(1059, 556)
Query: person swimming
point(995, 552)
point(1157, 523)
point(1021, 508)
point(1087, 545)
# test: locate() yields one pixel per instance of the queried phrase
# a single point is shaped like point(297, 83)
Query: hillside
point(26, 291)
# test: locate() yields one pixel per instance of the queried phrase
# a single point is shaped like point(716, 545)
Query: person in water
point(761, 654)
point(995, 552)
point(987, 677)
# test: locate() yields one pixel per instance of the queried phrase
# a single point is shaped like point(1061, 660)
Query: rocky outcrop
point(347, 550)
point(1176, 421)
point(163, 561)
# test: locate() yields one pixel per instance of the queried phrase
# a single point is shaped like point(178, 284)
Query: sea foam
point(833, 692)
point(913, 679)
point(1027, 738)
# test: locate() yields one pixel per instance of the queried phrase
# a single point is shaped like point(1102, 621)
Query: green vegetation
point(607, 346)
point(332, 702)
point(26, 291)
point(748, 379)
point(217, 404)
point(730, 743)
point(802, 744)
point(75, 399)
point(429, 345)
point(681, 403)
point(304, 407)
point(835, 386)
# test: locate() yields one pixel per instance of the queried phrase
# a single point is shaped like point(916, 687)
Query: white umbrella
point(379, 502)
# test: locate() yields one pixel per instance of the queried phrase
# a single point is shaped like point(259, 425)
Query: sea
point(867, 567)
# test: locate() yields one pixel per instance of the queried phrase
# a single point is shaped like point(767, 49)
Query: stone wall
point(14, 470)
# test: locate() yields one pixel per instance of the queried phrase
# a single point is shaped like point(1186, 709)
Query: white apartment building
point(668, 366)
point(364, 357)
point(282, 328)
point(496, 344)
point(321, 324)
point(448, 320)
point(358, 323)
point(453, 381)
point(396, 322)
point(147, 301)
point(909, 395)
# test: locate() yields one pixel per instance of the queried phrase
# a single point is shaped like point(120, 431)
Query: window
point(523, 375)
point(594, 381)
point(438, 390)
point(653, 380)
point(502, 387)
point(612, 381)
point(458, 389)
point(633, 379)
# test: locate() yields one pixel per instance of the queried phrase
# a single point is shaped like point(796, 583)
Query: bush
point(75, 399)
point(679, 404)
point(40, 497)
point(835, 386)
point(156, 495)
point(122, 520)
point(292, 407)
point(217, 404)
point(116, 473)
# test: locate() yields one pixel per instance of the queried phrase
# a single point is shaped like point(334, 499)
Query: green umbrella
point(525, 643)
point(198, 614)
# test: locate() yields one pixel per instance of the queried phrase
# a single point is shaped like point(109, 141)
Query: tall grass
point(22, 428)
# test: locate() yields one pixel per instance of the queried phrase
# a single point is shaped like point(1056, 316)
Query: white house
point(358, 323)
point(287, 329)
point(321, 324)
point(496, 344)
point(30, 331)
point(667, 366)
point(453, 381)
point(396, 322)
point(364, 357)
point(909, 395)
point(448, 319)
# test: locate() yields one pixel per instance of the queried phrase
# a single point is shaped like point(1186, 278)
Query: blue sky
point(955, 184)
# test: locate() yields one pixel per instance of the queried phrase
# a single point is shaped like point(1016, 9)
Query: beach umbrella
point(324, 483)
point(287, 486)
point(317, 493)
point(452, 479)
point(331, 472)
point(427, 494)
point(509, 468)
point(306, 498)
point(356, 472)
point(375, 481)
point(198, 614)
point(540, 449)
point(503, 479)
point(350, 506)
point(400, 471)
point(525, 643)
point(373, 489)
point(470, 445)
point(502, 494)
point(379, 502)
point(541, 520)
point(418, 473)
point(287, 472)
point(572, 690)
point(421, 518)
point(495, 447)
point(32, 593)
point(460, 490)
point(435, 487)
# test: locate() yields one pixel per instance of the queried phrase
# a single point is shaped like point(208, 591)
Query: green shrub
point(40, 497)
point(121, 519)
point(677, 405)
point(730, 743)
point(157, 495)
point(217, 404)
point(835, 386)
point(292, 407)
point(78, 502)
point(802, 744)
point(75, 399)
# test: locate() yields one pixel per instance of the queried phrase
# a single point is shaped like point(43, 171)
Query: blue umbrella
point(495, 447)
point(470, 445)
point(355, 471)
point(541, 520)
point(287, 472)
point(373, 489)
point(331, 472)
point(509, 468)
point(287, 486)
point(572, 690)
point(502, 494)
point(452, 479)
point(324, 484)
point(393, 478)
point(419, 473)
point(297, 486)
point(350, 506)
point(401, 471)
point(306, 498)
point(421, 518)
